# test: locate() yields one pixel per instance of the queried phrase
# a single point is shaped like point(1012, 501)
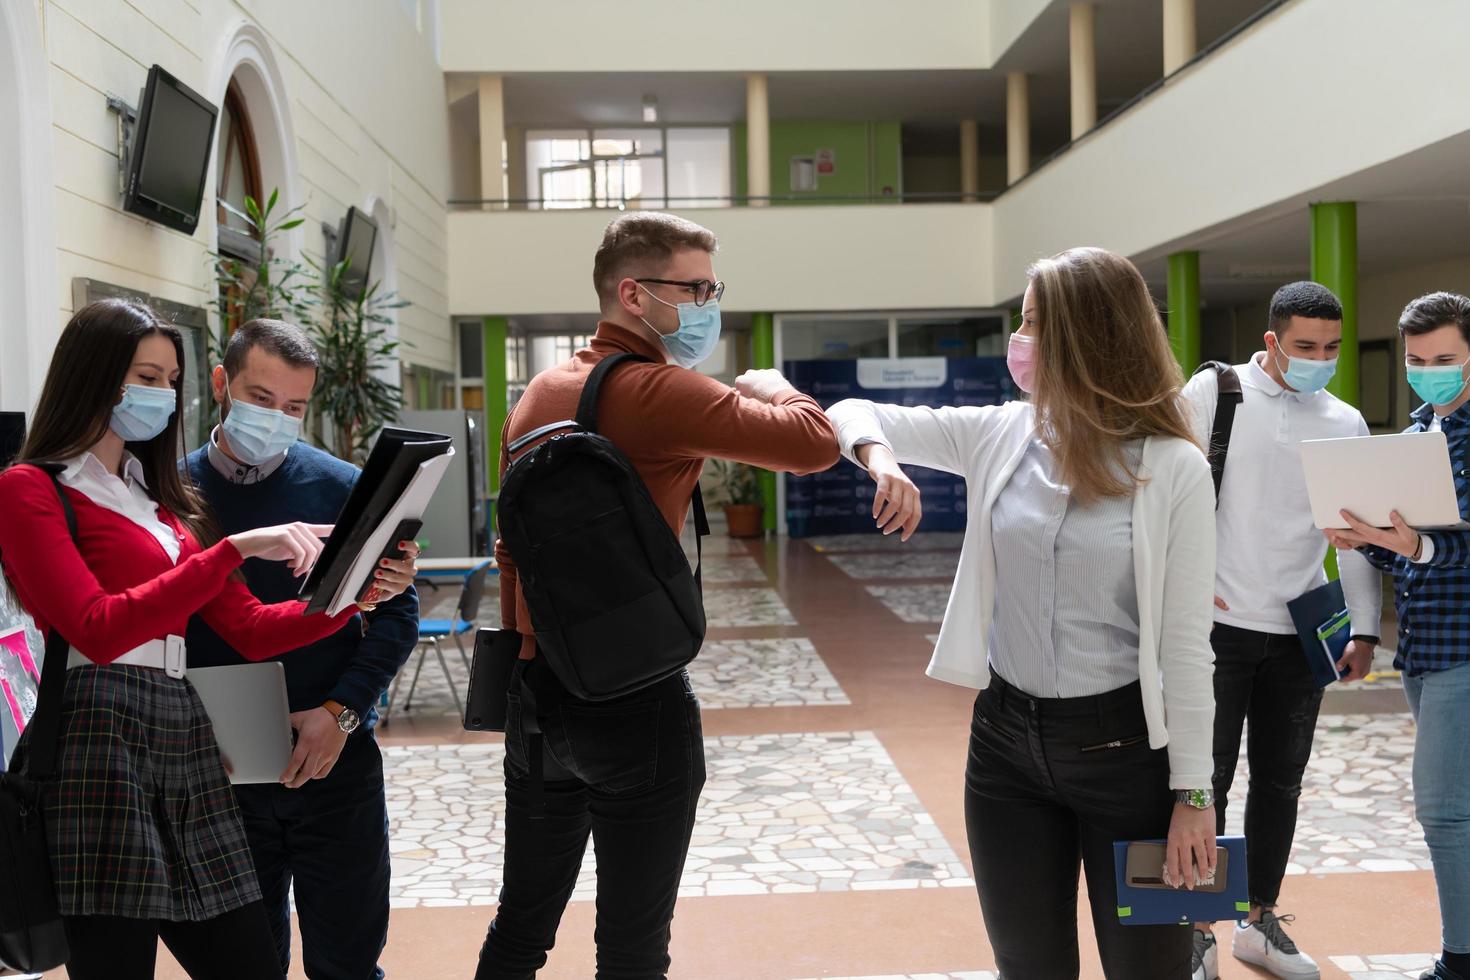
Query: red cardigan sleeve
point(260, 631)
point(42, 557)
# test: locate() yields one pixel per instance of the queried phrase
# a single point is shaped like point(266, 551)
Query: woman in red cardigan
point(146, 842)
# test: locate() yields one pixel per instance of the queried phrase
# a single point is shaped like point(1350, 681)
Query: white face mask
point(258, 435)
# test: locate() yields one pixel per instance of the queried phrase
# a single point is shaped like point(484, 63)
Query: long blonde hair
point(1105, 372)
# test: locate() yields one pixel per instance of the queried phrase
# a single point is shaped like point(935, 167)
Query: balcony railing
point(707, 201)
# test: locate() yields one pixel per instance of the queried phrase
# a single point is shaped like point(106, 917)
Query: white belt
point(167, 655)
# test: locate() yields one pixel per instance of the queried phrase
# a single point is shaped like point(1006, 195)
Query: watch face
point(348, 720)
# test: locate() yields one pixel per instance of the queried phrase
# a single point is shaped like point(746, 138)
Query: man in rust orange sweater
point(629, 771)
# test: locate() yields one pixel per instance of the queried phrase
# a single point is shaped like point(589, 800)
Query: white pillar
point(1179, 34)
point(492, 140)
point(969, 159)
point(1082, 33)
point(1018, 127)
point(757, 139)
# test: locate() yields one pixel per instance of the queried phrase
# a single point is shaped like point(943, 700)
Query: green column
point(1184, 319)
point(1335, 265)
point(763, 356)
point(496, 403)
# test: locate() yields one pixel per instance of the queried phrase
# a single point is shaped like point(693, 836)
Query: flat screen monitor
point(12, 435)
point(169, 159)
point(355, 247)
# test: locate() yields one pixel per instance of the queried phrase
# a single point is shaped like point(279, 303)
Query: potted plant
point(736, 489)
point(352, 341)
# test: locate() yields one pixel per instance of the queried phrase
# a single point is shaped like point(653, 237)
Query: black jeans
point(1050, 784)
point(233, 946)
point(328, 839)
point(628, 771)
point(1263, 677)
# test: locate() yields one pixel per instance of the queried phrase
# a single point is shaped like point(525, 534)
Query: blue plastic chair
point(433, 631)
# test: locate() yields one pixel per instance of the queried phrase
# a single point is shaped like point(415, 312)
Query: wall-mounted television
point(168, 161)
point(355, 242)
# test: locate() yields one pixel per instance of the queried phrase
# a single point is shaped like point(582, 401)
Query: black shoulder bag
point(1229, 397)
point(32, 938)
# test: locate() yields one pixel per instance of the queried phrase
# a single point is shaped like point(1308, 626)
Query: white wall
point(726, 36)
point(367, 122)
point(921, 256)
point(1257, 127)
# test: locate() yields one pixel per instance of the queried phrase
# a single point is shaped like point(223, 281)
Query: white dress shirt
point(1066, 601)
point(1270, 549)
point(126, 495)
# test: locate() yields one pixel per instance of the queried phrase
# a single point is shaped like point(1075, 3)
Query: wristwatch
point(1200, 799)
point(347, 719)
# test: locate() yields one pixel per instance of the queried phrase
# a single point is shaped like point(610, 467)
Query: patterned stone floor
point(913, 603)
point(780, 814)
point(923, 541)
point(718, 569)
point(1357, 810)
point(740, 607)
point(912, 564)
point(1384, 966)
point(970, 975)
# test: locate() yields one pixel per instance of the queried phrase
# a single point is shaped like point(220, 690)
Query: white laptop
point(251, 715)
point(1370, 476)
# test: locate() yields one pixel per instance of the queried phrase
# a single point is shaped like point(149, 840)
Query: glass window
point(699, 168)
point(960, 336)
point(556, 163)
point(628, 168)
point(239, 173)
point(836, 340)
point(516, 366)
point(566, 346)
point(426, 388)
point(471, 349)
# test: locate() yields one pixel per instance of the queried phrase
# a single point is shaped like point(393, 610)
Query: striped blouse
point(1066, 603)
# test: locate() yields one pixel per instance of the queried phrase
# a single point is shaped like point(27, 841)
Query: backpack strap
point(587, 419)
point(1229, 397)
point(45, 725)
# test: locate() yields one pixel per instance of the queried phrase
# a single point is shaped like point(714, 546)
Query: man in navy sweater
point(325, 826)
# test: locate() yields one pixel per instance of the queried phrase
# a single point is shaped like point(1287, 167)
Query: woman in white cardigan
point(1081, 609)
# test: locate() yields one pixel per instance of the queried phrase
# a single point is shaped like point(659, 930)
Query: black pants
point(233, 946)
point(627, 771)
point(1051, 784)
point(328, 839)
point(1264, 677)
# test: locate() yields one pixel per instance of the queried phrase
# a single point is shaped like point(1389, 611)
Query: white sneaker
point(1266, 944)
point(1206, 960)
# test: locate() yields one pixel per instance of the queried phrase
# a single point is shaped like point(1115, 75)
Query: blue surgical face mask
point(143, 412)
point(1305, 374)
point(698, 333)
point(258, 435)
point(1437, 385)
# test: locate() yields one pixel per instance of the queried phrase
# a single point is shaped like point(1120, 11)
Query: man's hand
point(762, 385)
point(318, 744)
point(1221, 604)
point(1400, 539)
point(1356, 660)
point(896, 505)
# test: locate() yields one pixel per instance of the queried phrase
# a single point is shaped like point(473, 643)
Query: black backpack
point(1226, 401)
point(613, 602)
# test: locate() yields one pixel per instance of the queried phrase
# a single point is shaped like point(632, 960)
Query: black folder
point(390, 469)
point(1324, 627)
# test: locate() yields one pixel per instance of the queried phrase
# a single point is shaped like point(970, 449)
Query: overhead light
point(650, 109)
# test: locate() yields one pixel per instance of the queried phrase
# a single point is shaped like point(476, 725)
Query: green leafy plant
point(733, 484)
point(267, 285)
point(352, 342)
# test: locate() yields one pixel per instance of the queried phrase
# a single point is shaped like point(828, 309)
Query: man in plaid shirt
point(1431, 573)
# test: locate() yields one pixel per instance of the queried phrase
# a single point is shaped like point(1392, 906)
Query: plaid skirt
point(140, 815)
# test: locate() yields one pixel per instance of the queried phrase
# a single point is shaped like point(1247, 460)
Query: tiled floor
point(831, 835)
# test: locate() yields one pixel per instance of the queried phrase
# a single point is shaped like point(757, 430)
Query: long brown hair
point(88, 370)
point(1105, 373)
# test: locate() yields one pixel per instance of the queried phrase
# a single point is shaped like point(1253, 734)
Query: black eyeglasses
point(703, 289)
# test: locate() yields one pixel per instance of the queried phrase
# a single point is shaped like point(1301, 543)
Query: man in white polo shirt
point(1270, 552)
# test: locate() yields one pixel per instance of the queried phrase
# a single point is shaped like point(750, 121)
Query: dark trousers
point(328, 839)
point(233, 946)
point(626, 771)
point(1263, 677)
point(1051, 783)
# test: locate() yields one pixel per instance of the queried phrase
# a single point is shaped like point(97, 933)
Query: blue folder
point(1147, 904)
point(1324, 628)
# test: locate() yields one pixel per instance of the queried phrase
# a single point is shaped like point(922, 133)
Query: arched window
point(239, 174)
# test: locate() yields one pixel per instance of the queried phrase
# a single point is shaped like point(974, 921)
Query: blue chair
point(433, 631)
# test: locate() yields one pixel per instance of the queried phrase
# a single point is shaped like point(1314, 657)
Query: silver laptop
point(1371, 476)
point(251, 715)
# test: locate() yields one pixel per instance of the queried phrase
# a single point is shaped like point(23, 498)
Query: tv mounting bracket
point(127, 121)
